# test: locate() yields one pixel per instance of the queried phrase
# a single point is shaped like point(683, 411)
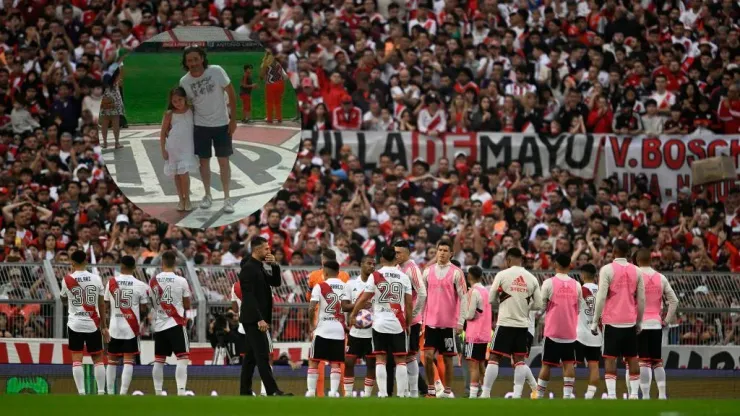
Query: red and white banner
point(54, 351)
point(578, 154)
point(666, 160)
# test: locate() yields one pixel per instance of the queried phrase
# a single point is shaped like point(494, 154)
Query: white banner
point(666, 160)
point(54, 351)
point(576, 153)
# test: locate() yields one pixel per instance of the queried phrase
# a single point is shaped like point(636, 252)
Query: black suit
point(257, 306)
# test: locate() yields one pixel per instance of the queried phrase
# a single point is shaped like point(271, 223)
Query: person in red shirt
point(347, 116)
point(729, 111)
point(334, 91)
point(600, 118)
point(147, 20)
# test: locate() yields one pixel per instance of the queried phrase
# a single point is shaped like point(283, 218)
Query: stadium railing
point(709, 308)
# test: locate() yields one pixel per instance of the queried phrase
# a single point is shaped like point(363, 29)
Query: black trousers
point(256, 354)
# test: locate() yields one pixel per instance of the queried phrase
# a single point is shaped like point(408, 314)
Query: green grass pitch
point(295, 406)
point(148, 78)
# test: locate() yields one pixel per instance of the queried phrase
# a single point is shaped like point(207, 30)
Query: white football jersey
point(168, 291)
point(331, 322)
point(236, 296)
point(586, 317)
point(387, 294)
point(355, 287)
point(82, 290)
point(125, 294)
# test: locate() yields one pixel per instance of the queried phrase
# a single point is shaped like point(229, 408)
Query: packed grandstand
point(604, 69)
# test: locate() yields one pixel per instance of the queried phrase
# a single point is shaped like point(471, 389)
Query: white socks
point(520, 375)
point(369, 386)
point(568, 383)
point(110, 377)
point(541, 387)
point(311, 380)
point(335, 376)
point(474, 388)
point(646, 378)
point(181, 375)
point(660, 380)
point(79, 376)
point(381, 376)
point(489, 378)
point(611, 385)
point(412, 366)
point(590, 392)
point(531, 380)
point(402, 380)
point(158, 376)
point(634, 386)
point(100, 377)
point(349, 383)
point(126, 376)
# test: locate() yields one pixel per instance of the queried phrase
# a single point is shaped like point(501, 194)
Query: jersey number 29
point(390, 292)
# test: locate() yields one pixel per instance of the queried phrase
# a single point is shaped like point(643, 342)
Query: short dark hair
point(402, 244)
point(444, 242)
point(388, 253)
point(562, 260)
point(476, 272)
point(514, 253)
point(589, 269)
point(258, 241)
point(169, 258)
point(329, 254)
point(643, 255)
point(128, 262)
point(78, 257)
point(332, 265)
point(622, 247)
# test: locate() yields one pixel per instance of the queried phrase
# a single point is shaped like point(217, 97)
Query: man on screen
point(207, 87)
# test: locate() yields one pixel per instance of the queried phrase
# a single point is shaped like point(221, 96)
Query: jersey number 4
point(390, 292)
point(166, 295)
point(84, 296)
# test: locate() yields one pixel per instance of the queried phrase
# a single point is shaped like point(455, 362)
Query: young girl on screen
point(176, 138)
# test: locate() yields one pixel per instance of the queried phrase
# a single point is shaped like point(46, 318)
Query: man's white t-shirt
point(174, 289)
point(330, 308)
point(393, 291)
point(81, 297)
point(355, 287)
point(131, 293)
point(207, 94)
point(518, 292)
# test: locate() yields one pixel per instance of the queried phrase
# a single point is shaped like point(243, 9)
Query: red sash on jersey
point(435, 122)
point(396, 307)
point(326, 290)
point(128, 313)
point(90, 309)
point(238, 289)
point(168, 308)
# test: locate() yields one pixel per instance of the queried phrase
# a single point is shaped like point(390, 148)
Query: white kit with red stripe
point(329, 294)
point(125, 294)
point(168, 291)
point(82, 290)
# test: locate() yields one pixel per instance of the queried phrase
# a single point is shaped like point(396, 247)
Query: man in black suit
point(256, 314)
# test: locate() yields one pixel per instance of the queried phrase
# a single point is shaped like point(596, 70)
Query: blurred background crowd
point(601, 66)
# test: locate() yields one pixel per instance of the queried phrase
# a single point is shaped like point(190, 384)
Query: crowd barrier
point(665, 159)
point(29, 296)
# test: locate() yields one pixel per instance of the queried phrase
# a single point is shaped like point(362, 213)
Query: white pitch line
point(293, 142)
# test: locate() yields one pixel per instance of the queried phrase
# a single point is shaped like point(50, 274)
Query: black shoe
point(247, 393)
point(282, 393)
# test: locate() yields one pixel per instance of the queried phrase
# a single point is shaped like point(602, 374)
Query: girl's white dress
point(180, 145)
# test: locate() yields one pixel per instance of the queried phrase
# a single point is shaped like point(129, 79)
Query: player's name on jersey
point(83, 278)
point(125, 282)
point(336, 286)
point(165, 279)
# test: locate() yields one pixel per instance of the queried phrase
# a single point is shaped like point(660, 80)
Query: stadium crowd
point(546, 67)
